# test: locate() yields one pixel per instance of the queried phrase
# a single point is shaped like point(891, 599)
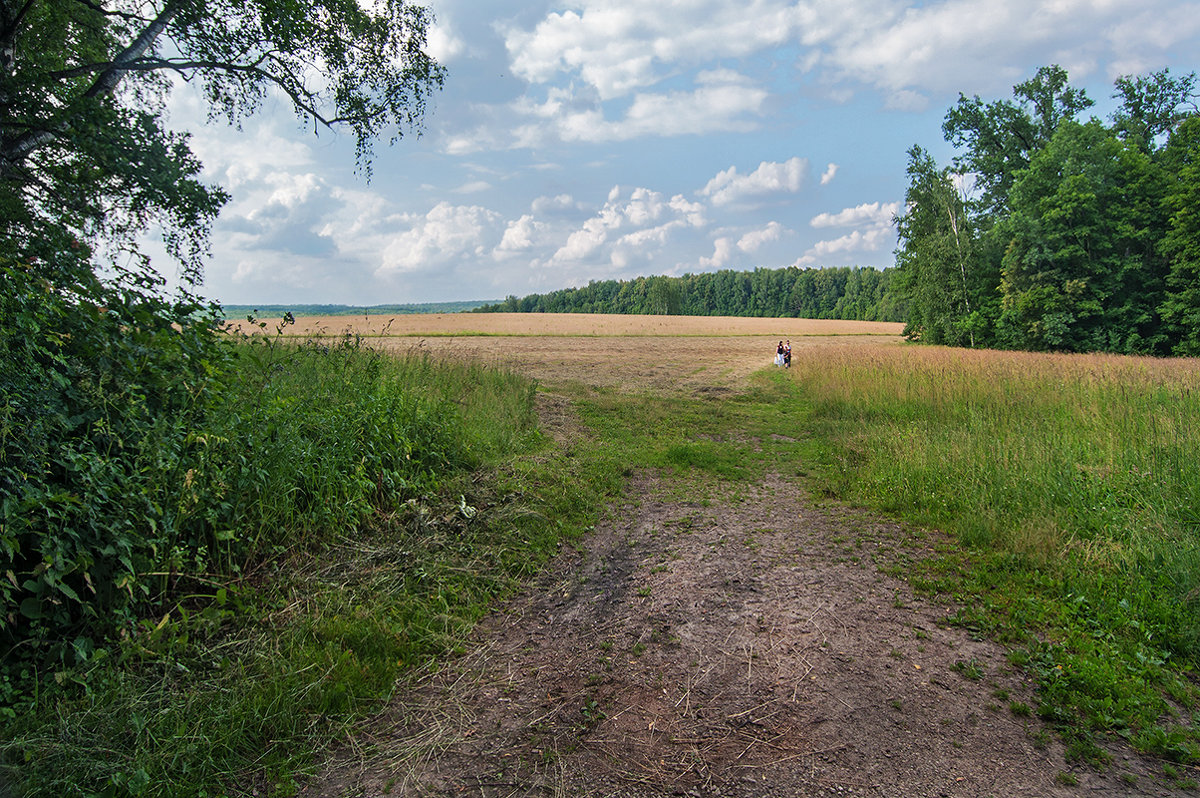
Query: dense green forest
point(836, 293)
point(1058, 233)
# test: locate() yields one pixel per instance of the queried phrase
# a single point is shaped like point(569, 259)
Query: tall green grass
point(1072, 485)
point(343, 515)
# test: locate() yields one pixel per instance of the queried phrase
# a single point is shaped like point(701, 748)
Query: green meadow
point(352, 514)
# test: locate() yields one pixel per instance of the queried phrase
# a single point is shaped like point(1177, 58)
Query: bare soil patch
point(720, 644)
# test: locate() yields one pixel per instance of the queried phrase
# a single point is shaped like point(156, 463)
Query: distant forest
point(835, 293)
point(274, 311)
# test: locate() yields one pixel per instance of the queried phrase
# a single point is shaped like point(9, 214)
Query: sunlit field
point(1048, 453)
point(1072, 485)
point(667, 354)
point(574, 324)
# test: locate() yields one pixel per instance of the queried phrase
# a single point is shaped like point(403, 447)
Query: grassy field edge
point(1068, 488)
point(237, 682)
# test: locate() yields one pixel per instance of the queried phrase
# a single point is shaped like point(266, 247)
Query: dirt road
point(725, 645)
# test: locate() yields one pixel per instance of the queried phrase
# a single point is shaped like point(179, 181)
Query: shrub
point(100, 386)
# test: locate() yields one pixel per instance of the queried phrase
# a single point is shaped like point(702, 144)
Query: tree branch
point(302, 99)
point(8, 37)
point(19, 148)
point(111, 77)
point(99, 9)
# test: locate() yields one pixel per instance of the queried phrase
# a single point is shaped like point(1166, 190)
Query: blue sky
point(607, 139)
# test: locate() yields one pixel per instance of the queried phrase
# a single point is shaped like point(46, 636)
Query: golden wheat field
point(658, 353)
point(577, 324)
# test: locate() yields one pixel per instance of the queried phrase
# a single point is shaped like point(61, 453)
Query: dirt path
point(727, 645)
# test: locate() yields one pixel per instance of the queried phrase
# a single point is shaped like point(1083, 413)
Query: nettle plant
point(102, 381)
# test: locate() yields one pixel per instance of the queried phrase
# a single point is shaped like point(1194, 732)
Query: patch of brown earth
point(730, 645)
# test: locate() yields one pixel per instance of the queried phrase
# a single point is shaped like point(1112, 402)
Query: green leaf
point(32, 608)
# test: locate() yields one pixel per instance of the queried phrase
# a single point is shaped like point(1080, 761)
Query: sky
point(590, 140)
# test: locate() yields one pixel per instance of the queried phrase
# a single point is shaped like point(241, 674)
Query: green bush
point(101, 384)
point(144, 453)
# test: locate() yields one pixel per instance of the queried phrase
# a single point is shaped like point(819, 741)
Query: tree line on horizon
point(1050, 232)
point(852, 293)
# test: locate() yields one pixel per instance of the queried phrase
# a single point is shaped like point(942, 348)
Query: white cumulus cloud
point(909, 50)
point(869, 213)
point(755, 239)
point(718, 101)
point(722, 254)
point(631, 224)
point(874, 229)
point(857, 241)
point(519, 235)
point(619, 46)
point(443, 44)
point(769, 179)
point(446, 232)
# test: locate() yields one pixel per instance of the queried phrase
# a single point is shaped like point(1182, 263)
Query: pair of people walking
point(783, 355)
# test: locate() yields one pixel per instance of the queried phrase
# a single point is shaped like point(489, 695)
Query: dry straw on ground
point(634, 353)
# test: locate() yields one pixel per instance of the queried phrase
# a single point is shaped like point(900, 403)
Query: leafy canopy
point(1081, 236)
point(83, 149)
point(1000, 137)
point(937, 264)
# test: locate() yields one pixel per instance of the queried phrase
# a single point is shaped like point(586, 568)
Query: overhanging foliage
point(109, 384)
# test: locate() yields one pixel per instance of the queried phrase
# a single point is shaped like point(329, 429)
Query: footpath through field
point(710, 638)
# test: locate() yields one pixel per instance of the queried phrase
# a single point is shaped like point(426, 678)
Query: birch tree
point(84, 154)
point(937, 256)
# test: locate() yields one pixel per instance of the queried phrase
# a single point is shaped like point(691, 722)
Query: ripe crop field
point(635, 352)
point(581, 324)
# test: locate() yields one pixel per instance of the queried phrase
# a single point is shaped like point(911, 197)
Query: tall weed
point(100, 386)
